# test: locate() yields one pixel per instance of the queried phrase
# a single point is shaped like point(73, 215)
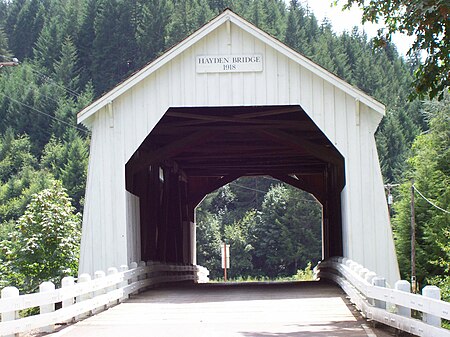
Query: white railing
point(87, 296)
point(388, 306)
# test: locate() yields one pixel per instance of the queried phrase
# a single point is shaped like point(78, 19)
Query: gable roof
point(229, 15)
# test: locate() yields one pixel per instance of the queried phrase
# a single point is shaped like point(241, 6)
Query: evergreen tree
point(5, 54)
point(85, 41)
point(48, 45)
point(20, 176)
point(187, 15)
point(74, 170)
point(66, 68)
point(151, 30)
point(114, 46)
point(291, 217)
point(26, 28)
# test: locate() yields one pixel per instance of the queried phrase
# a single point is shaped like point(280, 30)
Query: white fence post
point(99, 274)
point(82, 279)
point(66, 282)
point(12, 315)
point(143, 276)
point(112, 271)
point(432, 292)
point(379, 282)
point(403, 285)
point(123, 284)
point(134, 265)
point(47, 308)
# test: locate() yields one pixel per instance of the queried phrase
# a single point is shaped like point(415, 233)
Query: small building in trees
point(226, 102)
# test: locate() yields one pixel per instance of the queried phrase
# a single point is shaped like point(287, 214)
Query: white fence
point(87, 296)
point(388, 306)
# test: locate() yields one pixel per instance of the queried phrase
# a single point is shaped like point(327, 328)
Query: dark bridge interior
point(193, 151)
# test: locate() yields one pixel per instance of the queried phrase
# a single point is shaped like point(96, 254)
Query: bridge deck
point(286, 309)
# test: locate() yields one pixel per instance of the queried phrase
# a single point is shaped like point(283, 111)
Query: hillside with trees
point(73, 51)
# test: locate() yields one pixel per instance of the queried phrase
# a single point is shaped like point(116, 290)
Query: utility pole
point(413, 241)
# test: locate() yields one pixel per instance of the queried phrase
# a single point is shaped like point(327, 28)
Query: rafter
point(210, 186)
point(173, 149)
point(302, 184)
point(297, 142)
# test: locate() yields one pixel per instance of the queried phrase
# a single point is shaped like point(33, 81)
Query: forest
point(72, 51)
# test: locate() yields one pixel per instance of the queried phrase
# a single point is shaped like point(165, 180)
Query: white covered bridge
point(226, 102)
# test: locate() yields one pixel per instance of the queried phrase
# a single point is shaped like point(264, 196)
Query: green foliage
point(238, 236)
point(19, 177)
point(4, 49)
point(293, 218)
point(428, 21)
point(45, 243)
point(306, 274)
point(430, 170)
point(276, 240)
point(208, 242)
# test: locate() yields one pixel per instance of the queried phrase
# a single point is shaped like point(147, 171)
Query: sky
point(346, 20)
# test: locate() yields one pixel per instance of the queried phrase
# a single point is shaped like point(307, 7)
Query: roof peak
point(213, 24)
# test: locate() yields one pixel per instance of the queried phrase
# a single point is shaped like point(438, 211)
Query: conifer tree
point(48, 45)
point(151, 30)
point(66, 68)
point(4, 47)
point(26, 29)
point(85, 41)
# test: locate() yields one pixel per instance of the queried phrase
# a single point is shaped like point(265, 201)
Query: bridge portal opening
point(193, 151)
point(273, 229)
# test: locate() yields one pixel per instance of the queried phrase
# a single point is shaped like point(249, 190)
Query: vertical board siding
point(110, 213)
point(329, 123)
point(294, 82)
point(354, 175)
point(372, 240)
point(282, 96)
point(133, 228)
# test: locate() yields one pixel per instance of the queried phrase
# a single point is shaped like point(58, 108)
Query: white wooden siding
point(284, 80)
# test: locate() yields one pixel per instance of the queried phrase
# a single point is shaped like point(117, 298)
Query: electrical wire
point(44, 113)
point(248, 188)
point(260, 191)
point(46, 77)
point(431, 203)
point(35, 91)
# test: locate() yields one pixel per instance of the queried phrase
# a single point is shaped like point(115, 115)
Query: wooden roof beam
point(197, 196)
point(297, 142)
point(172, 149)
point(302, 184)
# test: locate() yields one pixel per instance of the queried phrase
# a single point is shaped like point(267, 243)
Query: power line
point(15, 62)
point(44, 113)
point(46, 77)
point(430, 202)
point(263, 192)
point(37, 92)
point(248, 188)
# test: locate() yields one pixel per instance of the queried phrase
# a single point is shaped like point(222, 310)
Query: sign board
point(225, 255)
point(229, 63)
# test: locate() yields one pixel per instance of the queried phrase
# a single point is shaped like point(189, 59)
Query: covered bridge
point(230, 101)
